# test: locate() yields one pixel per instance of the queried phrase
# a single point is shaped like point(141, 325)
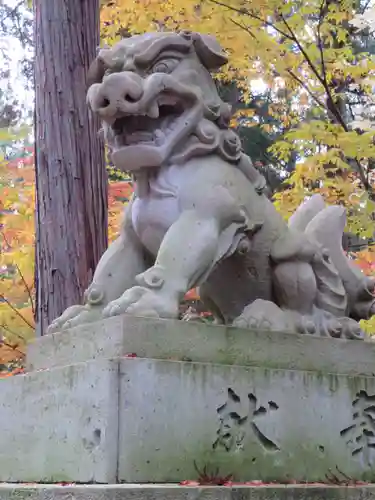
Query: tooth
point(153, 111)
point(159, 137)
point(167, 100)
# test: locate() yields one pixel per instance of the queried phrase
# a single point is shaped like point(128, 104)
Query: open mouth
point(152, 127)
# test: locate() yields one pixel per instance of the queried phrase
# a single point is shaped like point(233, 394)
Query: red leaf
point(192, 294)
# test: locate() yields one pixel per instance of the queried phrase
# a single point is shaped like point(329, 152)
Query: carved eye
point(164, 66)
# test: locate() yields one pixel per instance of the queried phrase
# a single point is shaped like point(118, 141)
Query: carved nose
point(119, 93)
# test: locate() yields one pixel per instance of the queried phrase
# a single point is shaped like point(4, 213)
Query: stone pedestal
point(136, 400)
point(173, 492)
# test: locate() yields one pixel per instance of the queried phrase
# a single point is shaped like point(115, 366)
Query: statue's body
point(199, 216)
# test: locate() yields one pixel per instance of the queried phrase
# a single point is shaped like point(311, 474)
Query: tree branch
point(245, 28)
point(291, 73)
point(367, 4)
point(252, 15)
point(27, 288)
point(305, 86)
point(13, 10)
point(16, 311)
point(322, 78)
point(293, 37)
point(4, 342)
point(4, 327)
point(320, 41)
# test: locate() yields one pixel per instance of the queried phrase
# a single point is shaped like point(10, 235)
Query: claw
point(75, 316)
point(142, 301)
point(66, 326)
point(114, 309)
point(59, 323)
point(53, 328)
point(306, 326)
point(351, 329)
point(240, 323)
point(334, 328)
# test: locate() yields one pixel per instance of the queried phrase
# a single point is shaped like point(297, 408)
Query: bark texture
point(71, 181)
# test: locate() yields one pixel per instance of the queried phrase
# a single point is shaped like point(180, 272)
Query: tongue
point(137, 137)
point(141, 123)
point(133, 157)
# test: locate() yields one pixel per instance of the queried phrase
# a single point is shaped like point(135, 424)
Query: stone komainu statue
point(199, 215)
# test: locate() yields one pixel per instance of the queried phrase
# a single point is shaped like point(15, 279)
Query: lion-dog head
point(158, 101)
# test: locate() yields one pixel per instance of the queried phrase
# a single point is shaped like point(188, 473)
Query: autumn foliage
point(307, 56)
point(17, 205)
point(17, 244)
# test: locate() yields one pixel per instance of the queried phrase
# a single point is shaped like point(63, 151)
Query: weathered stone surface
point(254, 423)
point(201, 213)
point(159, 417)
point(172, 492)
point(168, 339)
point(60, 425)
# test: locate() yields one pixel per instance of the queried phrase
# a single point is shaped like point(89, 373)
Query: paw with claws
point(142, 301)
point(78, 315)
point(263, 315)
point(75, 316)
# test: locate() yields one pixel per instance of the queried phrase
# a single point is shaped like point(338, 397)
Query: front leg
point(185, 258)
point(115, 273)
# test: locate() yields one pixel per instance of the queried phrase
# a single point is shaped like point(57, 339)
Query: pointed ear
point(209, 51)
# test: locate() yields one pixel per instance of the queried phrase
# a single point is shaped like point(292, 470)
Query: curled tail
point(341, 285)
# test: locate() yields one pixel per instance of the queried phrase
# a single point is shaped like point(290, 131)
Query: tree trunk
point(71, 183)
